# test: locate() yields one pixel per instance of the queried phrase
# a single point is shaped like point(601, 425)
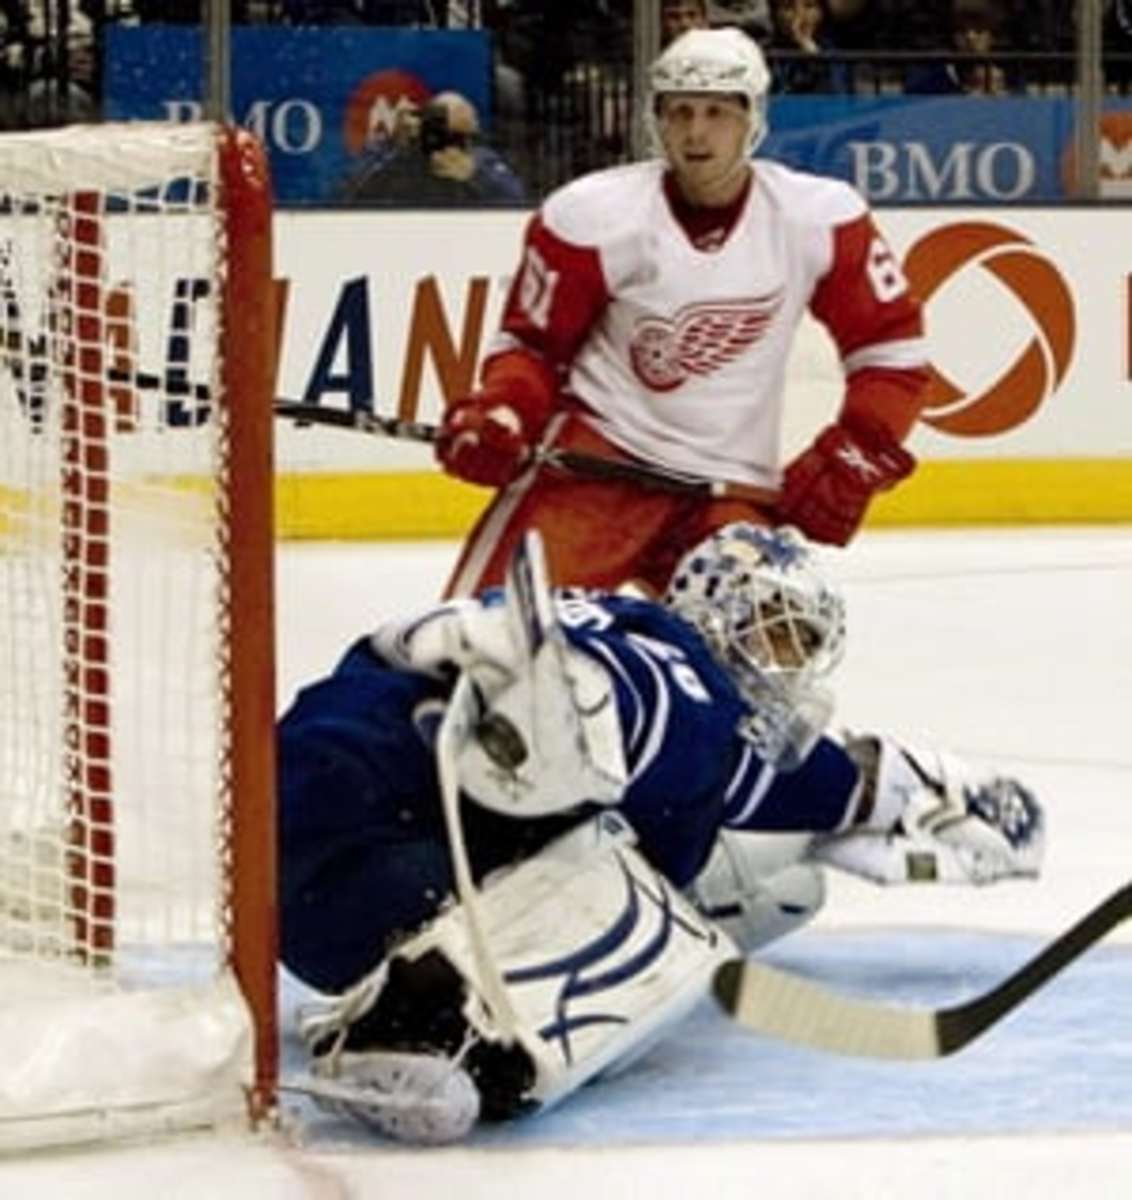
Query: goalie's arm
point(548, 737)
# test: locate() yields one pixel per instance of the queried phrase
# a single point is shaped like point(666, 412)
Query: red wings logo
point(701, 339)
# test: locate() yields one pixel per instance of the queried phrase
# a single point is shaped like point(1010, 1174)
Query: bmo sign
point(963, 171)
point(317, 97)
point(899, 150)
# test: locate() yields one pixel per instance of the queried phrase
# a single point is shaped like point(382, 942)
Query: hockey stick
point(458, 726)
point(781, 1004)
point(535, 630)
point(574, 462)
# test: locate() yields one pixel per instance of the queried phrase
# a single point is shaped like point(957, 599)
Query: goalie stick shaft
point(456, 729)
point(781, 1004)
point(575, 462)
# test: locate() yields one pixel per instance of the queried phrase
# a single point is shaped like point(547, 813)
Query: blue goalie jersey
point(363, 851)
point(691, 770)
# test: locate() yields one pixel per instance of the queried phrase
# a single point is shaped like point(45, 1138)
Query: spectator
point(678, 16)
point(976, 29)
point(872, 25)
point(61, 66)
point(751, 16)
point(435, 160)
point(800, 30)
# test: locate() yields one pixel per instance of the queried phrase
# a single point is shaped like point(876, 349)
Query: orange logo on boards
point(1114, 157)
point(1036, 284)
point(374, 105)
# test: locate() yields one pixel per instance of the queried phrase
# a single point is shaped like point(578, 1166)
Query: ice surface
point(1011, 645)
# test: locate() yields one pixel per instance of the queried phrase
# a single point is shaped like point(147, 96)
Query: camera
point(435, 134)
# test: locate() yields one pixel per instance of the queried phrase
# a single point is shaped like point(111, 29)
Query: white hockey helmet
point(723, 61)
point(756, 597)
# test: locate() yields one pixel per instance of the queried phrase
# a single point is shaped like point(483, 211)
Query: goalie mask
point(773, 623)
point(720, 61)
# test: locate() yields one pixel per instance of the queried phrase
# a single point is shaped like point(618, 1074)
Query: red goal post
point(137, 835)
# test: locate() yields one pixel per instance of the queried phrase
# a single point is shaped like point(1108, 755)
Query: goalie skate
point(411, 1010)
point(424, 1099)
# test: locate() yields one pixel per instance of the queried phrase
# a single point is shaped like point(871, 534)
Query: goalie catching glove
point(826, 490)
point(928, 817)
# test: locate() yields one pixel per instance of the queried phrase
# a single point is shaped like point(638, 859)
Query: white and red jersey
point(679, 354)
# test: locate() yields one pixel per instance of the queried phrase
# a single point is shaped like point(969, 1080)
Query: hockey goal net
point(137, 943)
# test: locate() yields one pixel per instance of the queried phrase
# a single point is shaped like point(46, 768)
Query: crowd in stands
point(560, 62)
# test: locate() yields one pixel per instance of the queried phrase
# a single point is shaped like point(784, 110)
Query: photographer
point(435, 160)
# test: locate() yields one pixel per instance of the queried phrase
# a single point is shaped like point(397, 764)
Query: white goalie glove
point(449, 638)
point(548, 737)
point(933, 818)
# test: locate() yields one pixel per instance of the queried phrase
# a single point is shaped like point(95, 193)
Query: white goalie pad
point(599, 955)
point(757, 887)
point(937, 819)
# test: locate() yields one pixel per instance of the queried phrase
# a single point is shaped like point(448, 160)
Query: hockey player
point(617, 755)
point(651, 317)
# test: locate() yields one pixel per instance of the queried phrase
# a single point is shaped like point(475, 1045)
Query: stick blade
point(783, 1005)
point(780, 1004)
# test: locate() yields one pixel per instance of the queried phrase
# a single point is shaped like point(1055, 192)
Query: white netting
point(113, 779)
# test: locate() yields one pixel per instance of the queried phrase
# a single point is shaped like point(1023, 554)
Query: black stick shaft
point(575, 462)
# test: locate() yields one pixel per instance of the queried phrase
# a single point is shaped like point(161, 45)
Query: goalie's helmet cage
point(756, 597)
point(723, 62)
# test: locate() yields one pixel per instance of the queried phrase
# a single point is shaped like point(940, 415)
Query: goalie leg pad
point(755, 887)
point(600, 956)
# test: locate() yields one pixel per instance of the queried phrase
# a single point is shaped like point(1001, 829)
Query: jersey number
point(537, 286)
point(682, 672)
point(885, 276)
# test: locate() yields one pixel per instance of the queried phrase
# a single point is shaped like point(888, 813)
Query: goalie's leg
point(757, 887)
point(599, 954)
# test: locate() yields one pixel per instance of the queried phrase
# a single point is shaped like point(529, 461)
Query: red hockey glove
point(482, 440)
point(827, 488)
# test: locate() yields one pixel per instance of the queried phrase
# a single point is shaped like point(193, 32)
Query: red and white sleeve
point(865, 303)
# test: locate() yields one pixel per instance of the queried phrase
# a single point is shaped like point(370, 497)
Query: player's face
point(705, 139)
point(678, 16)
point(782, 648)
point(776, 641)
